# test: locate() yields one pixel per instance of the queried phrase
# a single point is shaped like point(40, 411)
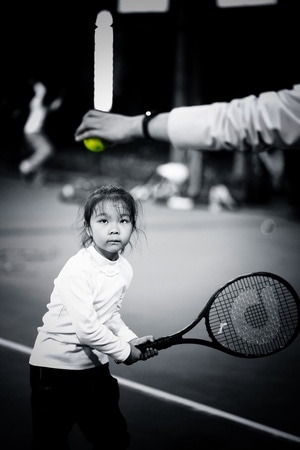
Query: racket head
point(253, 315)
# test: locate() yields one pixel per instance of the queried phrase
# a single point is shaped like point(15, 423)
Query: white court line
point(200, 407)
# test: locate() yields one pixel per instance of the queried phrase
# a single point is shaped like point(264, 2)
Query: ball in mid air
point(95, 144)
point(267, 226)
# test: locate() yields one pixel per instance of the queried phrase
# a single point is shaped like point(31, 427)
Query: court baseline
point(162, 395)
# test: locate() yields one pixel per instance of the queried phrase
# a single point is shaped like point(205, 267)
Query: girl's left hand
point(149, 352)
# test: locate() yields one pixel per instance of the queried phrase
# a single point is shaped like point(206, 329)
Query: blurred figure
point(168, 180)
point(220, 198)
point(36, 139)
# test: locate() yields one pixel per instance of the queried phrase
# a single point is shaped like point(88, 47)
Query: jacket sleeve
point(257, 123)
point(117, 325)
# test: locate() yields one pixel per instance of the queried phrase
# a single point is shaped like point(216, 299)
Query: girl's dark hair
point(103, 194)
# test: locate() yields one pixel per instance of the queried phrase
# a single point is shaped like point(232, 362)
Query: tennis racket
point(251, 316)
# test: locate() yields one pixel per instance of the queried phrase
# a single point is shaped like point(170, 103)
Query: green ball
point(95, 144)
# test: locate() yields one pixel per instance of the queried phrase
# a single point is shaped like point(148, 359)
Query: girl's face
point(110, 228)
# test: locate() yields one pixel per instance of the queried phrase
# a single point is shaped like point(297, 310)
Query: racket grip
point(159, 344)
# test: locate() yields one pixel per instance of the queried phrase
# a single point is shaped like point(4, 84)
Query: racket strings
point(255, 315)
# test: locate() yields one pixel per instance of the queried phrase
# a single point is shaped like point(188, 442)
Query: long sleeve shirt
point(82, 326)
point(257, 123)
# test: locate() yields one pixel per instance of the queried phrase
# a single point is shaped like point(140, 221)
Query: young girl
point(82, 329)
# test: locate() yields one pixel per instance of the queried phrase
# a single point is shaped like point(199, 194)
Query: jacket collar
point(104, 265)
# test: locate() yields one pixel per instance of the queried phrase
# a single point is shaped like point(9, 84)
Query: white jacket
point(83, 326)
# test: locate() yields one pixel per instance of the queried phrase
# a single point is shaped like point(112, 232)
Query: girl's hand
point(136, 354)
point(149, 352)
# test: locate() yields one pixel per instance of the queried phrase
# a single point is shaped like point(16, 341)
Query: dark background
point(229, 52)
point(226, 53)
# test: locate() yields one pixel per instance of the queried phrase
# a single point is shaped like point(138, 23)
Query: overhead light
point(134, 6)
point(238, 3)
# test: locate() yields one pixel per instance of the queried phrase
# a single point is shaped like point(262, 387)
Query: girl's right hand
point(136, 355)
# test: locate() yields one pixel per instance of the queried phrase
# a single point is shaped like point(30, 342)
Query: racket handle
point(159, 344)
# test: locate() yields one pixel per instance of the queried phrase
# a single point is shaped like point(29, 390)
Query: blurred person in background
point(36, 139)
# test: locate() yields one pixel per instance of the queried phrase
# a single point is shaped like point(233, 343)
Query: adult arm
point(271, 119)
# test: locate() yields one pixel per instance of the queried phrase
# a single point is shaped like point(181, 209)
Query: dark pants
point(90, 398)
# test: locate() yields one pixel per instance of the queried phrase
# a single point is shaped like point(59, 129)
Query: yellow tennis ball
point(95, 144)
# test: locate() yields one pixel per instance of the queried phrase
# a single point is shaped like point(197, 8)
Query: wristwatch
point(147, 117)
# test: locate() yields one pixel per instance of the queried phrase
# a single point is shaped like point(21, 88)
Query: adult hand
point(113, 128)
